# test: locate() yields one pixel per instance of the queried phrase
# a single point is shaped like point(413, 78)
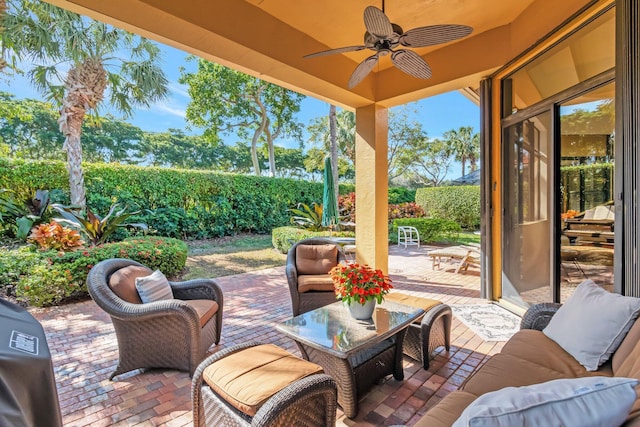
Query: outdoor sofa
point(531, 358)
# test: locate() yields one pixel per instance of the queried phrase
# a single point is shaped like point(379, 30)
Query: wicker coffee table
point(356, 353)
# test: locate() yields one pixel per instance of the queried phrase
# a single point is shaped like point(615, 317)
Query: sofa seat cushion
point(205, 308)
point(503, 370)
point(424, 304)
point(316, 259)
point(628, 347)
point(630, 368)
point(447, 411)
point(315, 282)
point(248, 378)
point(123, 282)
point(536, 347)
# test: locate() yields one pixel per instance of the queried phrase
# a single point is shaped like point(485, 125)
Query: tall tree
point(74, 61)
point(320, 134)
point(107, 139)
point(174, 148)
point(29, 128)
point(333, 136)
point(466, 146)
point(230, 102)
point(406, 142)
point(3, 9)
point(431, 163)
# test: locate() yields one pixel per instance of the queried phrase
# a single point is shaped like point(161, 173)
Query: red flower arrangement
point(359, 283)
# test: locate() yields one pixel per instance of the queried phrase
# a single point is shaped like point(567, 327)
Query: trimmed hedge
point(430, 229)
point(456, 203)
point(285, 237)
point(185, 204)
point(42, 278)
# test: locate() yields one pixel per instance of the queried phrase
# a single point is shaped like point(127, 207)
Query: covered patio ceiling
point(268, 39)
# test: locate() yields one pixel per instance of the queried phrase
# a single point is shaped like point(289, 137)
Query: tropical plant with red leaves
point(359, 283)
point(55, 236)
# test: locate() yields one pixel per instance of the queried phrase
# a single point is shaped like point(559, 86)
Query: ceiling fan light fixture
point(382, 36)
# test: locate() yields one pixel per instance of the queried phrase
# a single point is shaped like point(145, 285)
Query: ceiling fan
point(383, 36)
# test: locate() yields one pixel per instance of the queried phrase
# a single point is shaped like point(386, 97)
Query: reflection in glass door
point(528, 200)
point(586, 190)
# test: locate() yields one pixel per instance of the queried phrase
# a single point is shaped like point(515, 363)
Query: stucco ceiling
point(268, 39)
point(340, 23)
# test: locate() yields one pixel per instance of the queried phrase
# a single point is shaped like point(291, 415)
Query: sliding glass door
point(527, 216)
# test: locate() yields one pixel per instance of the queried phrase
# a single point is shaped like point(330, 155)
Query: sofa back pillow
point(592, 323)
point(584, 402)
point(316, 259)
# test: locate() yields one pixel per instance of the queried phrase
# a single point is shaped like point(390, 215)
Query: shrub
point(196, 203)
point(347, 207)
point(430, 229)
point(285, 237)
point(97, 229)
point(457, 203)
point(42, 278)
point(54, 236)
point(306, 217)
point(405, 210)
point(17, 217)
point(399, 195)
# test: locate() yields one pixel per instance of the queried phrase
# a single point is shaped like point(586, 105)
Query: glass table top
point(332, 329)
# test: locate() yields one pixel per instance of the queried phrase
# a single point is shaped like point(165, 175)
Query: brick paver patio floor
point(84, 350)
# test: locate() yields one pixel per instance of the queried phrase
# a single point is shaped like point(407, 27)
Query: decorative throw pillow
point(154, 287)
point(584, 402)
point(592, 323)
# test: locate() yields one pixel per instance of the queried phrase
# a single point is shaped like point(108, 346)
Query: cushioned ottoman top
point(425, 304)
point(248, 378)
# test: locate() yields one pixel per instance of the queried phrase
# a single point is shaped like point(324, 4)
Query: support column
point(372, 175)
point(626, 263)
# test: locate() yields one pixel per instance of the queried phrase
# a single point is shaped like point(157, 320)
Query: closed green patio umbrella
point(329, 202)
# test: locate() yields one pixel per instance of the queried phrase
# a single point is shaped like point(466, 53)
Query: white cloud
point(178, 111)
point(178, 89)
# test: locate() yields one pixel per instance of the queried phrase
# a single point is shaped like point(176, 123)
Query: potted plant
point(360, 287)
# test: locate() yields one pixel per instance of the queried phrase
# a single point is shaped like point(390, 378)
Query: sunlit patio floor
point(84, 350)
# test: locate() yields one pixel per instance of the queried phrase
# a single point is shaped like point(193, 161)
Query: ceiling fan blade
point(377, 23)
point(362, 70)
point(411, 63)
point(334, 51)
point(434, 34)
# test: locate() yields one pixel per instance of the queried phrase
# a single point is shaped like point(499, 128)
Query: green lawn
point(248, 252)
point(467, 237)
point(231, 255)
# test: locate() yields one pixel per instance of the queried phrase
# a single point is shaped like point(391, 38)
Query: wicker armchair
point(311, 401)
point(301, 302)
point(162, 334)
point(538, 316)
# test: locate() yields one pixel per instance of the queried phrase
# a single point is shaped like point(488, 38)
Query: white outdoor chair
point(408, 235)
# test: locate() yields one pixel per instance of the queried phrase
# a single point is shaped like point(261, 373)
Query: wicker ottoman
point(428, 332)
point(261, 384)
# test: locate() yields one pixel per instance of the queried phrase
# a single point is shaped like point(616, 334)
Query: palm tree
point(345, 133)
point(3, 9)
point(75, 60)
point(465, 145)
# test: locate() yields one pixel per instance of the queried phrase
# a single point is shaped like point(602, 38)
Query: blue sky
point(437, 114)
